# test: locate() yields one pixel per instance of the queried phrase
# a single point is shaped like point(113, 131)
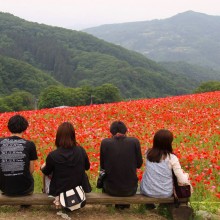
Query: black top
point(67, 166)
point(120, 157)
point(15, 156)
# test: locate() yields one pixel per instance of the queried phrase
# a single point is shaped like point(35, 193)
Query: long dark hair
point(162, 145)
point(65, 136)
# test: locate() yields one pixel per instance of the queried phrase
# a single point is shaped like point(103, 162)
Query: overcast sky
point(80, 14)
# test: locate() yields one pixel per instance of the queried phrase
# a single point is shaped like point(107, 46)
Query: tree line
point(55, 96)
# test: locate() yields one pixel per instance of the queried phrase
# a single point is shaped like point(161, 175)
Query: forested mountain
point(190, 36)
point(77, 59)
point(18, 75)
point(196, 73)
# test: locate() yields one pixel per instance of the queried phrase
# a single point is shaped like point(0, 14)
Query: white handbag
point(73, 199)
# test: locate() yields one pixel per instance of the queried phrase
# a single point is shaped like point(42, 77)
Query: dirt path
point(87, 213)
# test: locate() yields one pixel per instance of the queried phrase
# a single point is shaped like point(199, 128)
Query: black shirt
point(120, 157)
point(67, 166)
point(15, 156)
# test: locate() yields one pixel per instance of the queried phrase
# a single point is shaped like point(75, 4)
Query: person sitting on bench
point(67, 164)
point(17, 156)
point(157, 180)
point(120, 156)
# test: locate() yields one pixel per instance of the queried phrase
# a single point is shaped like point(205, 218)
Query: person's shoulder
point(173, 157)
point(2, 140)
point(81, 148)
point(132, 139)
point(106, 140)
point(54, 153)
point(28, 141)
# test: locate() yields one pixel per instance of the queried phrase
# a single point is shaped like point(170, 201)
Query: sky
point(81, 14)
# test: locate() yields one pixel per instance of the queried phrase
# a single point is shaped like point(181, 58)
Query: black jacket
point(120, 157)
point(67, 166)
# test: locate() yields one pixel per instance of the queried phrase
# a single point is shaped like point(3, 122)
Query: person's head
point(162, 145)
point(163, 140)
point(118, 127)
point(65, 136)
point(17, 124)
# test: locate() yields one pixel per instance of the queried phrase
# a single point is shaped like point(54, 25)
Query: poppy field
point(193, 119)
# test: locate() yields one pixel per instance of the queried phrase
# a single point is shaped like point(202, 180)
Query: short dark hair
point(17, 124)
point(162, 145)
point(65, 136)
point(118, 127)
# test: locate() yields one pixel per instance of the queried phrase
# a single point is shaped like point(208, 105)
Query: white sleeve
point(182, 177)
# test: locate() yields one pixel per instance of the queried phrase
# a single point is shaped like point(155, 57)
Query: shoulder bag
point(73, 199)
point(100, 181)
point(180, 191)
point(85, 179)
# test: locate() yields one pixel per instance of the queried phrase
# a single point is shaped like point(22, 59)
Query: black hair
point(118, 127)
point(17, 124)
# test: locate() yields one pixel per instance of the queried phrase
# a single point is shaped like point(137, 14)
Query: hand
point(56, 202)
point(42, 166)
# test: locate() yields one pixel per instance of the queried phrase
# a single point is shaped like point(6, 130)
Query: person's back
point(17, 157)
point(66, 164)
point(120, 156)
point(157, 179)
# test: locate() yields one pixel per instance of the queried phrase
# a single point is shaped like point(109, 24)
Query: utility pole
point(91, 101)
point(35, 103)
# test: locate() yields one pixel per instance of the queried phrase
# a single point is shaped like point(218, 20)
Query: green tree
point(106, 93)
point(18, 101)
point(54, 96)
point(75, 96)
point(208, 87)
point(51, 97)
point(4, 107)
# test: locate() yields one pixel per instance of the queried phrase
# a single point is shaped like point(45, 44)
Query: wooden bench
point(181, 213)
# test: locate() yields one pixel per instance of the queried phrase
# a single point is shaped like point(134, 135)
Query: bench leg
point(183, 212)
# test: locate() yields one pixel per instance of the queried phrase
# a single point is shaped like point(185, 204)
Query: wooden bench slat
point(92, 198)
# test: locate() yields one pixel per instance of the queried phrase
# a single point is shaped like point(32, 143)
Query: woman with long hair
point(157, 179)
point(67, 163)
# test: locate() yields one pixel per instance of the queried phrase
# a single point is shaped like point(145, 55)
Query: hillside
point(191, 37)
point(196, 73)
point(76, 59)
point(193, 119)
point(15, 74)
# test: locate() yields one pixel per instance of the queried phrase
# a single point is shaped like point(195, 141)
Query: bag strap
point(175, 184)
point(83, 159)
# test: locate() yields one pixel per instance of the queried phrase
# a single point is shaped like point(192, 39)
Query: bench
point(93, 198)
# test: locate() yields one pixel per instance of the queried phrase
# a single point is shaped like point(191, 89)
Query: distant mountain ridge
point(190, 37)
point(34, 56)
point(78, 59)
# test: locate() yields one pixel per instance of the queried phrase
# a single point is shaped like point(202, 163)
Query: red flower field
point(194, 120)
